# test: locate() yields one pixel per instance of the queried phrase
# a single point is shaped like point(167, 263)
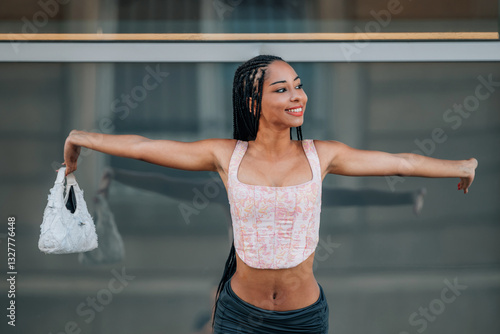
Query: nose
point(298, 95)
point(295, 95)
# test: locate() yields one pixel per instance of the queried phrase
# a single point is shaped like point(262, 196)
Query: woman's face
point(283, 99)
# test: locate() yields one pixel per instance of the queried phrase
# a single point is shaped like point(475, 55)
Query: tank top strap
point(312, 156)
point(236, 157)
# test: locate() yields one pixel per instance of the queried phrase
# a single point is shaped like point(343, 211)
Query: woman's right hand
point(71, 153)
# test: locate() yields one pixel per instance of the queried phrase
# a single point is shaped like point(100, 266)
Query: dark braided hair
point(247, 84)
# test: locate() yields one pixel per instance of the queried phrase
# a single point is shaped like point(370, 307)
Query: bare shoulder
point(328, 150)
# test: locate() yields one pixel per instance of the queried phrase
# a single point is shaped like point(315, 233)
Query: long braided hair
point(247, 86)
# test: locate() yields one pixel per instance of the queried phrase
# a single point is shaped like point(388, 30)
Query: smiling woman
point(284, 95)
point(248, 88)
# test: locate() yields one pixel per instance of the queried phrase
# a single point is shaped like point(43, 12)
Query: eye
point(281, 90)
point(299, 86)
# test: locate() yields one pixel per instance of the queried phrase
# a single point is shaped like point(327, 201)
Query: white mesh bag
point(67, 226)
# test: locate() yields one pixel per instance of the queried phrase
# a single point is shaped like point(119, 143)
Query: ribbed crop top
point(275, 227)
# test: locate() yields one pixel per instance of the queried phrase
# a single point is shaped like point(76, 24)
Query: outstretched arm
point(203, 155)
point(345, 160)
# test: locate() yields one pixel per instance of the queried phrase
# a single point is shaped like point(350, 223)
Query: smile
point(295, 111)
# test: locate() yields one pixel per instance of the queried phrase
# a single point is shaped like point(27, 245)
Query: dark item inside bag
point(71, 203)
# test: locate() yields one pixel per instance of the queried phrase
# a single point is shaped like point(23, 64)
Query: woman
point(274, 188)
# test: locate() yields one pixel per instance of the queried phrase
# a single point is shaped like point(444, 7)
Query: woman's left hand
point(470, 168)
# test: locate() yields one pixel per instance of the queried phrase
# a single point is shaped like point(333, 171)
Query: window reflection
point(392, 107)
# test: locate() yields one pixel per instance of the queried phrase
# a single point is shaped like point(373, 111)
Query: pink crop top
point(275, 227)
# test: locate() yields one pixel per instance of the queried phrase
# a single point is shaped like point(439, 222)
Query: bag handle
point(60, 175)
point(70, 180)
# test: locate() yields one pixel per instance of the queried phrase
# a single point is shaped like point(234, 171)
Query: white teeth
point(295, 110)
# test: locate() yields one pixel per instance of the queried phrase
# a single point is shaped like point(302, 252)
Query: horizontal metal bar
point(255, 36)
point(358, 51)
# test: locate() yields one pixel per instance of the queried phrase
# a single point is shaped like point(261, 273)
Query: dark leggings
point(235, 316)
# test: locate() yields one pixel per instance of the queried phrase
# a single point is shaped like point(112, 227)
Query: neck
point(272, 142)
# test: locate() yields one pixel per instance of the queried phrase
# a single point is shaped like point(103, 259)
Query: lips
point(295, 111)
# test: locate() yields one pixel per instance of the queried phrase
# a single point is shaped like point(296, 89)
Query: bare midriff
point(276, 289)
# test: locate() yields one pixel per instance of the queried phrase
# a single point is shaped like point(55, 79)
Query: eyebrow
point(283, 81)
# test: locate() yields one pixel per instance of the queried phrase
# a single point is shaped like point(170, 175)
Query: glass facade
point(379, 262)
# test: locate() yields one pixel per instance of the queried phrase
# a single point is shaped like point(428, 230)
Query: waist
point(276, 289)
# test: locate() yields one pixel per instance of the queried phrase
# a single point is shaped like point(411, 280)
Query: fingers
point(57, 170)
point(464, 184)
point(69, 170)
point(461, 185)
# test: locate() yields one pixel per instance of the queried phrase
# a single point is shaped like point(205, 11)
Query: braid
point(248, 84)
